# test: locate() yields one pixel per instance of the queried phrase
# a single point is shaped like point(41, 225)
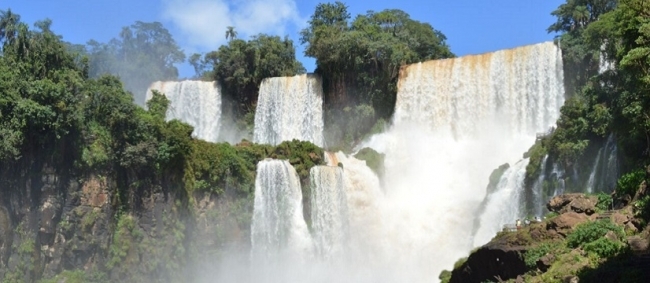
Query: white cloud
point(203, 22)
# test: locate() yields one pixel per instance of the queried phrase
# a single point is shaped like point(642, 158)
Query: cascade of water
point(557, 175)
point(609, 167)
point(455, 120)
point(329, 210)
point(592, 175)
point(197, 103)
point(503, 206)
point(278, 226)
point(289, 108)
point(539, 197)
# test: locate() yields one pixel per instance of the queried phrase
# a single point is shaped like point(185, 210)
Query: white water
point(329, 210)
point(289, 108)
point(504, 205)
point(278, 228)
point(197, 103)
point(455, 121)
point(592, 175)
point(539, 195)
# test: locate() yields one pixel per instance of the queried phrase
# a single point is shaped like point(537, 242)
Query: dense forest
point(77, 113)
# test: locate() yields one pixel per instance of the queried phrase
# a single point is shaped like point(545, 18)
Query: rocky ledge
point(547, 252)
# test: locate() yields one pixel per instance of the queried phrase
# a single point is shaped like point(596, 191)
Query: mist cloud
point(204, 22)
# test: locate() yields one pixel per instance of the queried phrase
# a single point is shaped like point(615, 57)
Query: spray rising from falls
point(503, 204)
point(197, 103)
point(456, 120)
point(289, 108)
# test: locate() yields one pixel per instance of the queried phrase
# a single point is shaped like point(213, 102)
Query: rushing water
point(455, 120)
point(197, 103)
point(329, 210)
point(504, 204)
point(289, 108)
point(278, 227)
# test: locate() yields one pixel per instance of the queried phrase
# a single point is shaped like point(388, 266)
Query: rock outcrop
point(578, 203)
point(491, 263)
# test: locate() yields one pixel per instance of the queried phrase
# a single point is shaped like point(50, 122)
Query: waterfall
point(503, 206)
point(197, 103)
point(592, 176)
point(607, 167)
point(539, 195)
point(329, 211)
point(278, 226)
point(455, 120)
point(557, 176)
point(289, 108)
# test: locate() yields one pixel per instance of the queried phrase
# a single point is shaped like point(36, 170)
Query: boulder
point(579, 203)
point(543, 263)
point(489, 262)
point(565, 222)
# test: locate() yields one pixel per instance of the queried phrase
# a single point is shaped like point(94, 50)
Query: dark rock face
point(50, 222)
point(545, 262)
point(491, 263)
point(579, 203)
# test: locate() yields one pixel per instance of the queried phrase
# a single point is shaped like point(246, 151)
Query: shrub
point(628, 183)
point(604, 247)
point(604, 201)
point(591, 231)
point(533, 255)
point(374, 160)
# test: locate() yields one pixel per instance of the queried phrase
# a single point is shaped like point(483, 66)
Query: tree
point(360, 60)
point(231, 33)
point(8, 25)
point(143, 53)
point(240, 66)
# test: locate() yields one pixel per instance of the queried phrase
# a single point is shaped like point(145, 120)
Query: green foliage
point(604, 202)
point(591, 231)
point(240, 66)
point(536, 155)
point(77, 276)
point(445, 276)
point(642, 208)
point(158, 105)
point(360, 62)
point(629, 183)
point(533, 255)
point(374, 160)
point(604, 247)
point(122, 250)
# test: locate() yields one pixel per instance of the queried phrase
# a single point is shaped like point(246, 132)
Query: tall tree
point(8, 25)
point(231, 33)
point(143, 53)
point(360, 60)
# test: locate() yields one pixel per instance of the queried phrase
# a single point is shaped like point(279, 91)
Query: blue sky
point(471, 26)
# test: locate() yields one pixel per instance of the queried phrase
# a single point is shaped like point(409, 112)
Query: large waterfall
point(456, 120)
point(197, 103)
point(289, 108)
point(278, 226)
